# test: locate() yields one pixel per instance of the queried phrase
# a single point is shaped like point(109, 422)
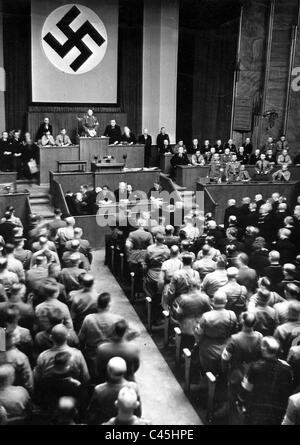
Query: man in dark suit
point(231, 210)
point(146, 139)
point(45, 126)
point(160, 139)
point(113, 132)
point(248, 146)
point(7, 228)
point(179, 158)
point(195, 146)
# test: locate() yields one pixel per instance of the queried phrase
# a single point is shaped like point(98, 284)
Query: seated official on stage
point(161, 137)
point(231, 146)
point(219, 146)
point(62, 139)
point(248, 146)
point(282, 175)
point(128, 138)
point(48, 140)
point(270, 157)
point(226, 156)
point(270, 144)
point(198, 158)
point(284, 158)
point(90, 124)
point(255, 157)
point(166, 147)
point(244, 174)
point(45, 126)
point(216, 169)
point(179, 144)
point(195, 146)
point(146, 139)
point(282, 144)
point(180, 158)
point(242, 157)
point(262, 169)
point(205, 147)
point(113, 132)
point(232, 169)
point(209, 155)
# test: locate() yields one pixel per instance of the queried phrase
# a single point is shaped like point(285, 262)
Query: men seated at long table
point(230, 166)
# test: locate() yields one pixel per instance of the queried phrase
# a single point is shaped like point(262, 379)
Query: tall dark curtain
point(215, 58)
point(16, 36)
point(208, 36)
point(131, 61)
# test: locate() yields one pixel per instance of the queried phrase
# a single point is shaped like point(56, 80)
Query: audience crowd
point(234, 291)
point(65, 356)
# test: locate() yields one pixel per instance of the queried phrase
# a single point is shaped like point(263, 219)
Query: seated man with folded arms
point(282, 175)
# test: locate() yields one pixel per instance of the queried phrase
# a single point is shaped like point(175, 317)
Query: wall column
point(160, 51)
point(2, 73)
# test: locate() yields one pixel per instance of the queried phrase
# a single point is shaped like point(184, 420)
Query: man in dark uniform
point(90, 124)
point(248, 146)
point(146, 139)
point(113, 132)
point(179, 158)
point(45, 126)
point(267, 386)
point(6, 153)
point(232, 169)
point(160, 139)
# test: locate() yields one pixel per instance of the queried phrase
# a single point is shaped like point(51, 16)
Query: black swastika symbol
point(74, 38)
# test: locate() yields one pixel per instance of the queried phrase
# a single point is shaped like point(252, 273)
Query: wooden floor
point(163, 400)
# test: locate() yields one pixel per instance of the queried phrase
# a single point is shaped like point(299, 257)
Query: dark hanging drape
point(215, 58)
point(208, 36)
point(16, 43)
point(131, 61)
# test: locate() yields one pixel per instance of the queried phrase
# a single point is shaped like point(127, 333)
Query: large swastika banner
point(74, 50)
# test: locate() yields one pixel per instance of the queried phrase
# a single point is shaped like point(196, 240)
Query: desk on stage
point(91, 147)
point(217, 195)
point(165, 162)
point(8, 177)
point(49, 157)
point(189, 175)
point(107, 167)
point(140, 179)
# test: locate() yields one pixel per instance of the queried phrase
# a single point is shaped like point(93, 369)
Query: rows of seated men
point(66, 357)
point(88, 199)
point(234, 291)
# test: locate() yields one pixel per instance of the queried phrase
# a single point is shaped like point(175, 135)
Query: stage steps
point(40, 198)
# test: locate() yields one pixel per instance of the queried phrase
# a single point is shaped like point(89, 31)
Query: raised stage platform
point(131, 155)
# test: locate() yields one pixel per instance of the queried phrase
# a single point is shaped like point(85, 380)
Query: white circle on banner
point(74, 39)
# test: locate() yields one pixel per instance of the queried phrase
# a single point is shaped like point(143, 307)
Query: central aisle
point(163, 400)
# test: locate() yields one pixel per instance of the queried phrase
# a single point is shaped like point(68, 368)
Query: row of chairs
point(116, 261)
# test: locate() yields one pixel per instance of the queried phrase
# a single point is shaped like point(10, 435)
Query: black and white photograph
point(149, 215)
